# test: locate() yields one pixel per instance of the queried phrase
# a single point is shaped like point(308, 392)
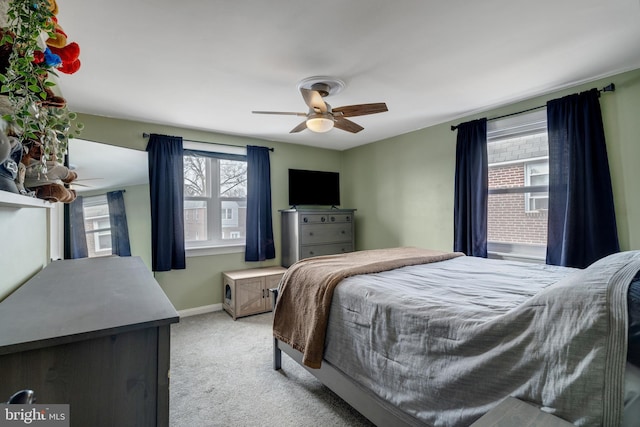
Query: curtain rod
point(609, 88)
point(146, 135)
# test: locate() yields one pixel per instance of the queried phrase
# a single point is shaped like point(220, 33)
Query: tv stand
point(312, 232)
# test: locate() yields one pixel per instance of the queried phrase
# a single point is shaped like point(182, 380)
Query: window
point(215, 199)
point(97, 225)
point(537, 174)
point(517, 151)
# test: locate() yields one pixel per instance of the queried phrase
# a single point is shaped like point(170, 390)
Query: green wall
point(200, 284)
point(24, 249)
point(403, 186)
point(402, 189)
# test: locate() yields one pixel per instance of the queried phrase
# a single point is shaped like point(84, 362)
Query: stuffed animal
point(59, 37)
point(54, 174)
point(4, 16)
point(5, 51)
point(7, 109)
point(5, 147)
point(50, 184)
point(46, 57)
point(55, 193)
point(9, 168)
point(51, 100)
point(5, 143)
point(69, 56)
point(59, 45)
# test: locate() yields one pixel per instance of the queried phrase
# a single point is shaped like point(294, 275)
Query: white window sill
point(214, 250)
point(516, 257)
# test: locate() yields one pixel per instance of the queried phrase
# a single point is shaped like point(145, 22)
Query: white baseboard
point(200, 310)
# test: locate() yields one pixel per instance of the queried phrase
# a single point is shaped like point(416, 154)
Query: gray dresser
point(312, 232)
point(93, 333)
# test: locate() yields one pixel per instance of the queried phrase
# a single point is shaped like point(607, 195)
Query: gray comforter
point(446, 342)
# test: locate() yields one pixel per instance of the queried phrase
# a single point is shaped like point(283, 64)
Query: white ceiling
point(207, 64)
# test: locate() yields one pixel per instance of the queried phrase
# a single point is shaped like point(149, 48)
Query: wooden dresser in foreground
point(94, 334)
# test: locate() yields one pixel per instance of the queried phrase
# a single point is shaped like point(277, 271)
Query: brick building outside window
point(518, 161)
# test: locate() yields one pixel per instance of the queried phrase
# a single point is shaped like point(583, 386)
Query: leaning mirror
point(105, 167)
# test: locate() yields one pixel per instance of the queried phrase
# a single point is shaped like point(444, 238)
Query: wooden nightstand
point(246, 292)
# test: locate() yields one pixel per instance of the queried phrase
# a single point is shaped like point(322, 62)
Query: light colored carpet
point(222, 375)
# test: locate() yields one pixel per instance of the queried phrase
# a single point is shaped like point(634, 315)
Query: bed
point(425, 338)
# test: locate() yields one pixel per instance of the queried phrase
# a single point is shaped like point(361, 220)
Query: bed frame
point(378, 411)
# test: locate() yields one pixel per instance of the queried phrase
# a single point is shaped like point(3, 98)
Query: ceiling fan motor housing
point(322, 88)
point(324, 85)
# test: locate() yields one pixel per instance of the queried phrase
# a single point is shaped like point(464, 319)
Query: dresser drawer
point(313, 232)
point(317, 250)
point(325, 233)
point(325, 218)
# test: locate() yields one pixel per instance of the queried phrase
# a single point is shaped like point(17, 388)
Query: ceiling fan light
point(319, 124)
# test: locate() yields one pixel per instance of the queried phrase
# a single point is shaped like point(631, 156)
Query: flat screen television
point(319, 188)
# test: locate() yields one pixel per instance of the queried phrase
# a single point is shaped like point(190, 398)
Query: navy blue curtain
point(77, 236)
point(118, 219)
point(582, 223)
point(471, 189)
point(260, 245)
point(166, 189)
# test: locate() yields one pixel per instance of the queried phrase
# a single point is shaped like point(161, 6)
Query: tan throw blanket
point(304, 300)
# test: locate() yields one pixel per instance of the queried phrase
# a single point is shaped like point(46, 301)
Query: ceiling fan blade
point(302, 126)
point(282, 113)
point(360, 109)
point(348, 125)
point(314, 100)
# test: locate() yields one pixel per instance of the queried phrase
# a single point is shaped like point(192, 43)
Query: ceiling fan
point(321, 116)
point(80, 182)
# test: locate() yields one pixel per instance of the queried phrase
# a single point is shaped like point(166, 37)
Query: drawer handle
point(333, 218)
point(305, 219)
point(343, 232)
point(310, 252)
point(311, 233)
point(323, 219)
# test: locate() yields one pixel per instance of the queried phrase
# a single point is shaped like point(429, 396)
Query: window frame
point(97, 241)
point(512, 127)
point(90, 201)
point(224, 216)
point(531, 196)
point(213, 202)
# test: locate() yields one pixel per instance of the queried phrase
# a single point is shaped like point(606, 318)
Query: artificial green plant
point(26, 83)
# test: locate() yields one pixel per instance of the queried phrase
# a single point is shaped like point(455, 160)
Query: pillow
point(633, 304)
